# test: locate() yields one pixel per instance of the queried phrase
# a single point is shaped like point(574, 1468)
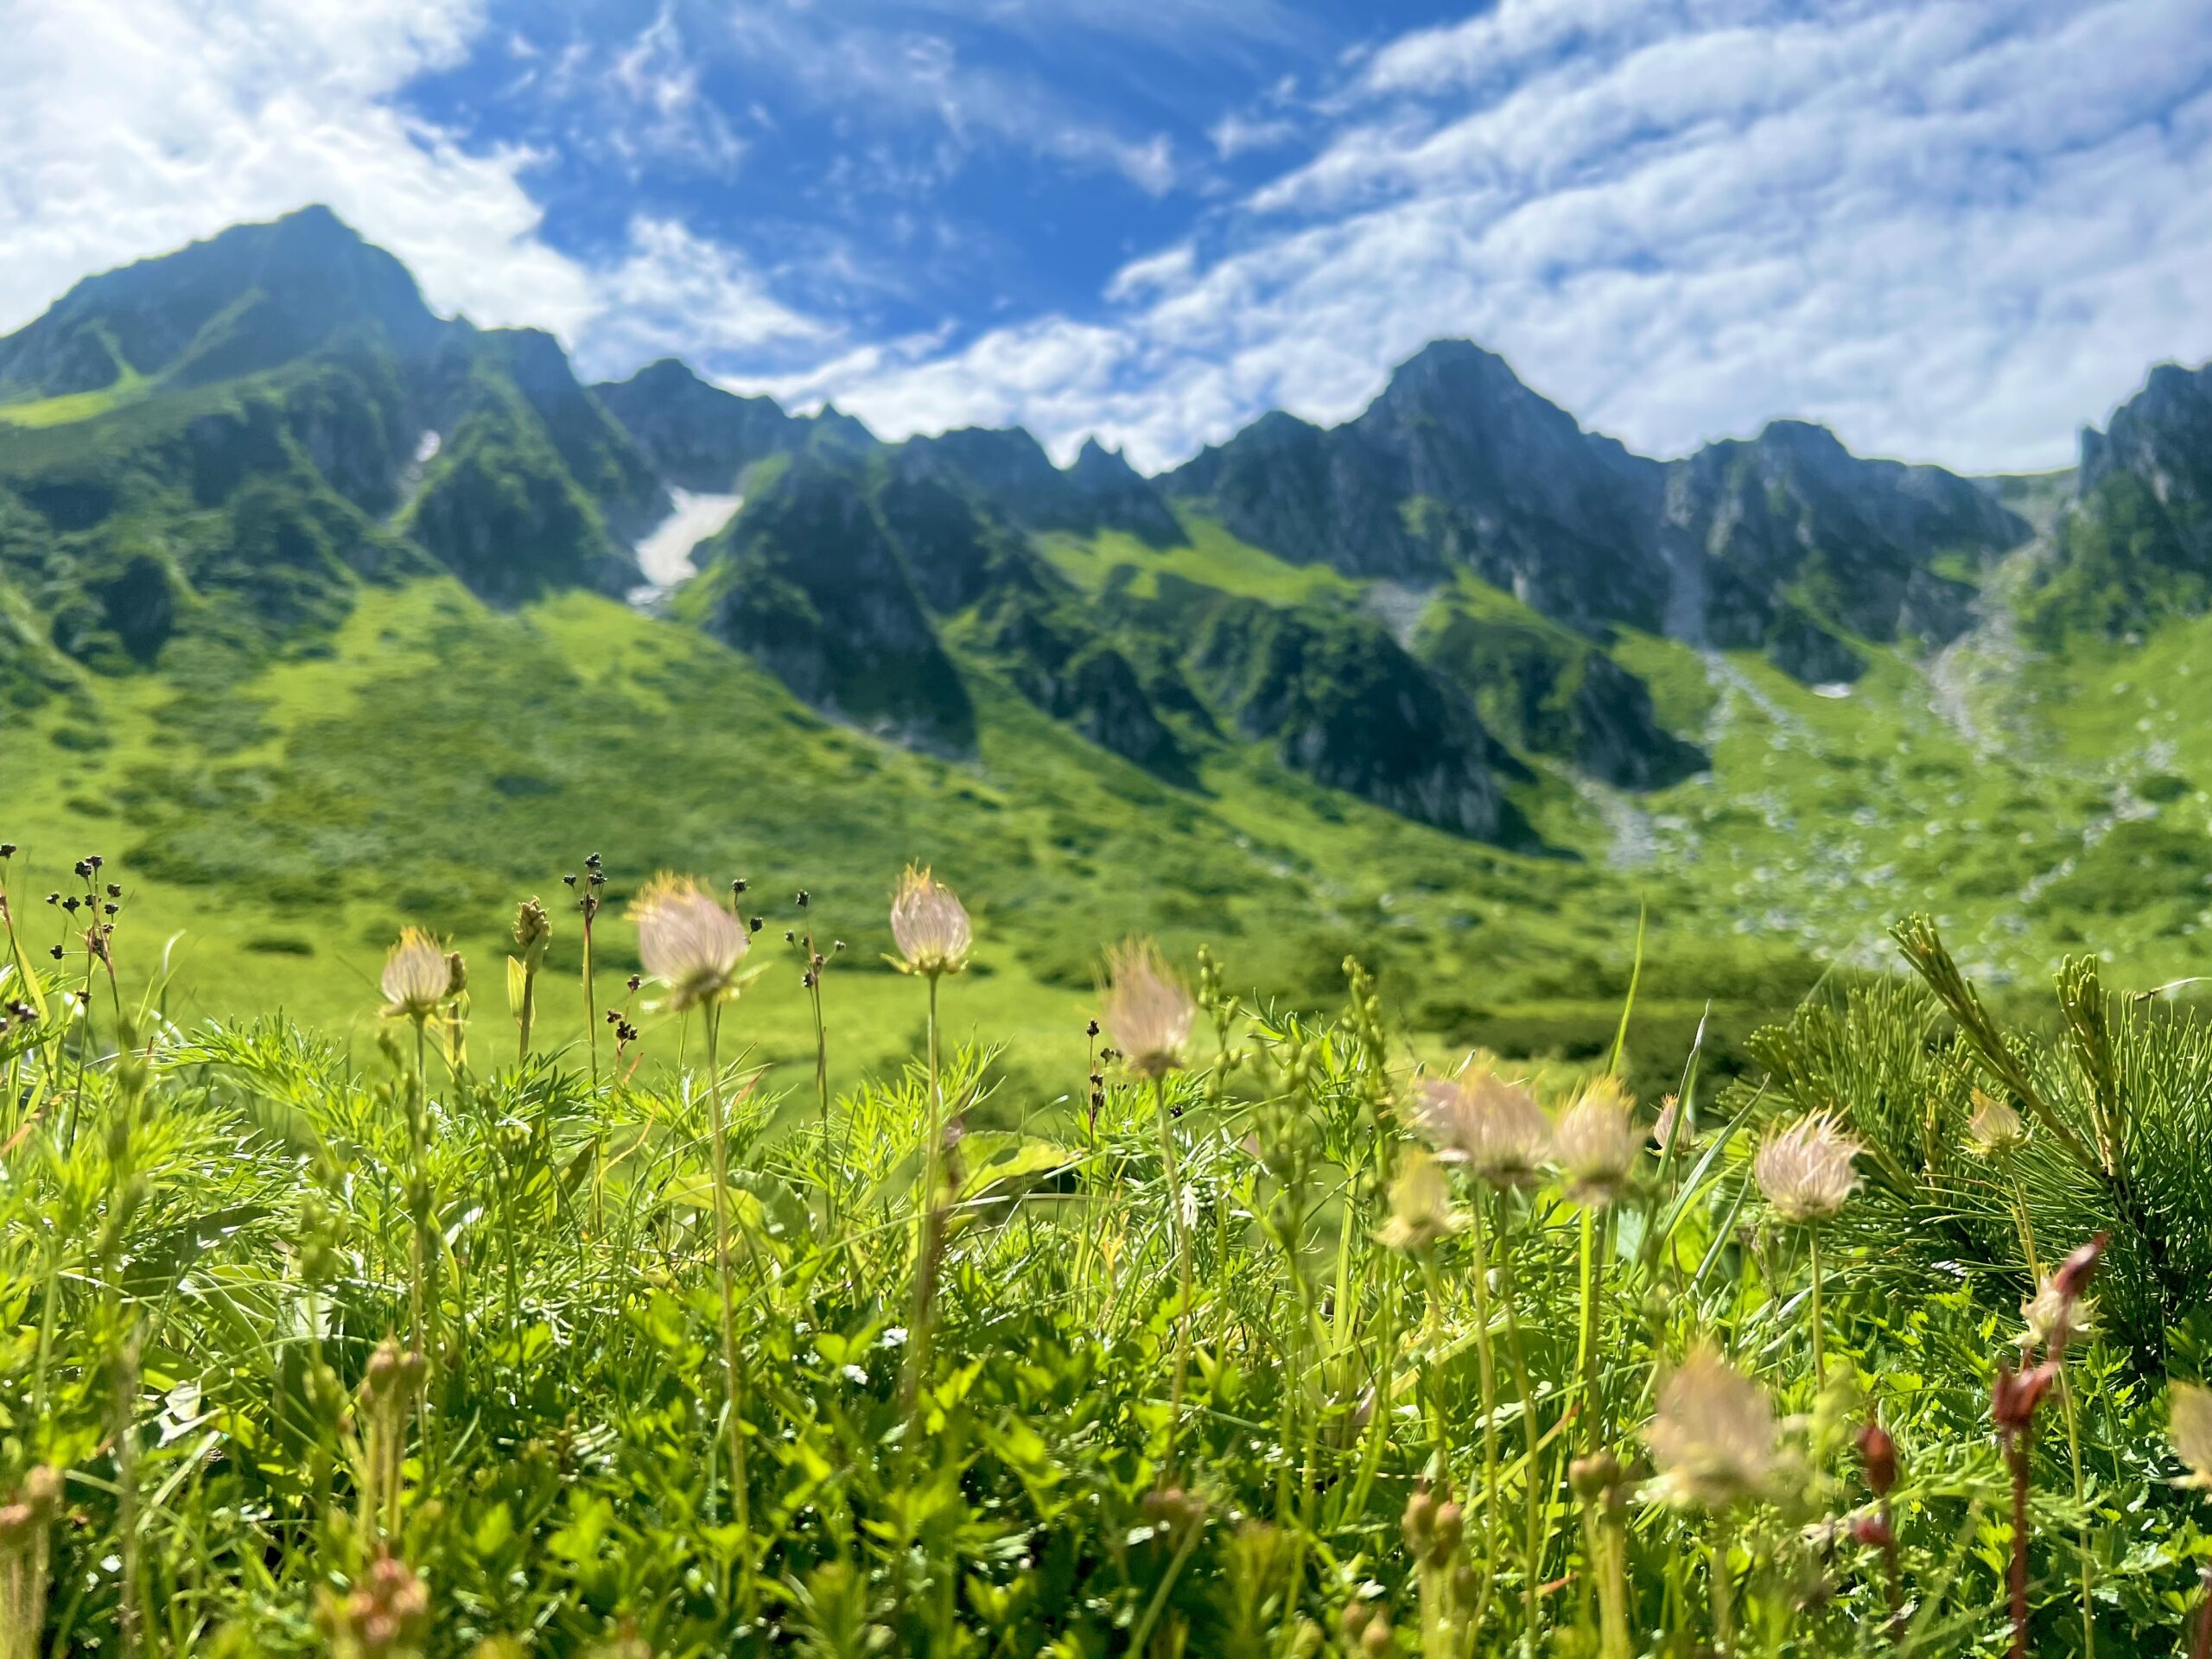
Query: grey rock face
point(1458, 466)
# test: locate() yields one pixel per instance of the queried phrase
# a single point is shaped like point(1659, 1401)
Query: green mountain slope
point(298, 580)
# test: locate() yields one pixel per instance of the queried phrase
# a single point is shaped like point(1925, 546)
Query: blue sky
point(1953, 229)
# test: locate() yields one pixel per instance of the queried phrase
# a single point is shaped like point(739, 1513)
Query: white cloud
point(133, 126)
point(138, 125)
point(1954, 229)
point(678, 294)
point(1170, 268)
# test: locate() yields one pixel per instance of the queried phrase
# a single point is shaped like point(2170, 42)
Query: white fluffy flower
point(1597, 1142)
point(1805, 1169)
point(1420, 1207)
point(1495, 1128)
point(418, 977)
point(929, 924)
point(1146, 1010)
point(687, 941)
point(2188, 1425)
point(1713, 1436)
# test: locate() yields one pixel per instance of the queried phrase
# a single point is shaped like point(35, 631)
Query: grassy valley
point(259, 817)
point(1505, 1036)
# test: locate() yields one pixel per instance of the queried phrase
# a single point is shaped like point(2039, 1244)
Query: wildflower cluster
point(1264, 1340)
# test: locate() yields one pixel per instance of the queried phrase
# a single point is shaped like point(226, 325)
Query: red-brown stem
point(2200, 1641)
point(2016, 1453)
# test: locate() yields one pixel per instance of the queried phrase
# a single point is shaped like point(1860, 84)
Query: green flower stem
point(733, 1371)
point(1533, 1554)
point(1820, 1342)
point(1486, 1371)
point(1182, 1267)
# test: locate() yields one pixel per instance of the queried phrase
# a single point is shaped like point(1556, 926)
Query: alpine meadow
point(637, 1024)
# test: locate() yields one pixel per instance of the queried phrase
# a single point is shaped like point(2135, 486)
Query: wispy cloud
point(650, 110)
point(1682, 220)
point(1234, 135)
point(675, 293)
point(876, 74)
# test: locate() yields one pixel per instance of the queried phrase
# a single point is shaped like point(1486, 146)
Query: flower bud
point(384, 1368)
point(1420, 1520)
point(533, 933)
point(1450, 1527)
point(2075, 1273)
point(2015, 1395)
point(1879, 1453)
point(1592, 1477)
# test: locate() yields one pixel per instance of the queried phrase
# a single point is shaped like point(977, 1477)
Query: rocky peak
point(2162, 435)
point(1126, 500)
point(251, 298)
point(1745, 520)
point(1007, 470)
point(1098, 468)
point(2136, 546)
point(1004, 464)
point(701, 437)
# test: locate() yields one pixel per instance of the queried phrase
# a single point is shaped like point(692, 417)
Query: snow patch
point(664, 552)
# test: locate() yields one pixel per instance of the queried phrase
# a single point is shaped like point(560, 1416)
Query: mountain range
point(1450, 608)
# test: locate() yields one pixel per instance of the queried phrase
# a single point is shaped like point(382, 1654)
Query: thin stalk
point(1586, 1356)
point(49, 1322)
point(422, 1304)
point(936, 1115)
point(1723, 1595)
point(503, 1180)
point(1432, 1343)
point(528, 1017)
point(1608, 1553)
point(1141, 1636)
point(591, 1011)
point(2020, 1214)
point(2081, 1505)
point(130, 1615)
point(122, 1327)
point(1820, 1346)
point(1532, 1560)
point(1486, 1368)
point(1182, 1267)
point(814, 966)
point(84, 1048)
point(418, 1107)
point(925, 1201)
point(2019, 1197)
point(733, 1374)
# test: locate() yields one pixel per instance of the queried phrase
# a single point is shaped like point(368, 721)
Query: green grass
point(72, 407)
point(1190, 1375)
point(436, 760)
point(1212, 558)
point(484, 754)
